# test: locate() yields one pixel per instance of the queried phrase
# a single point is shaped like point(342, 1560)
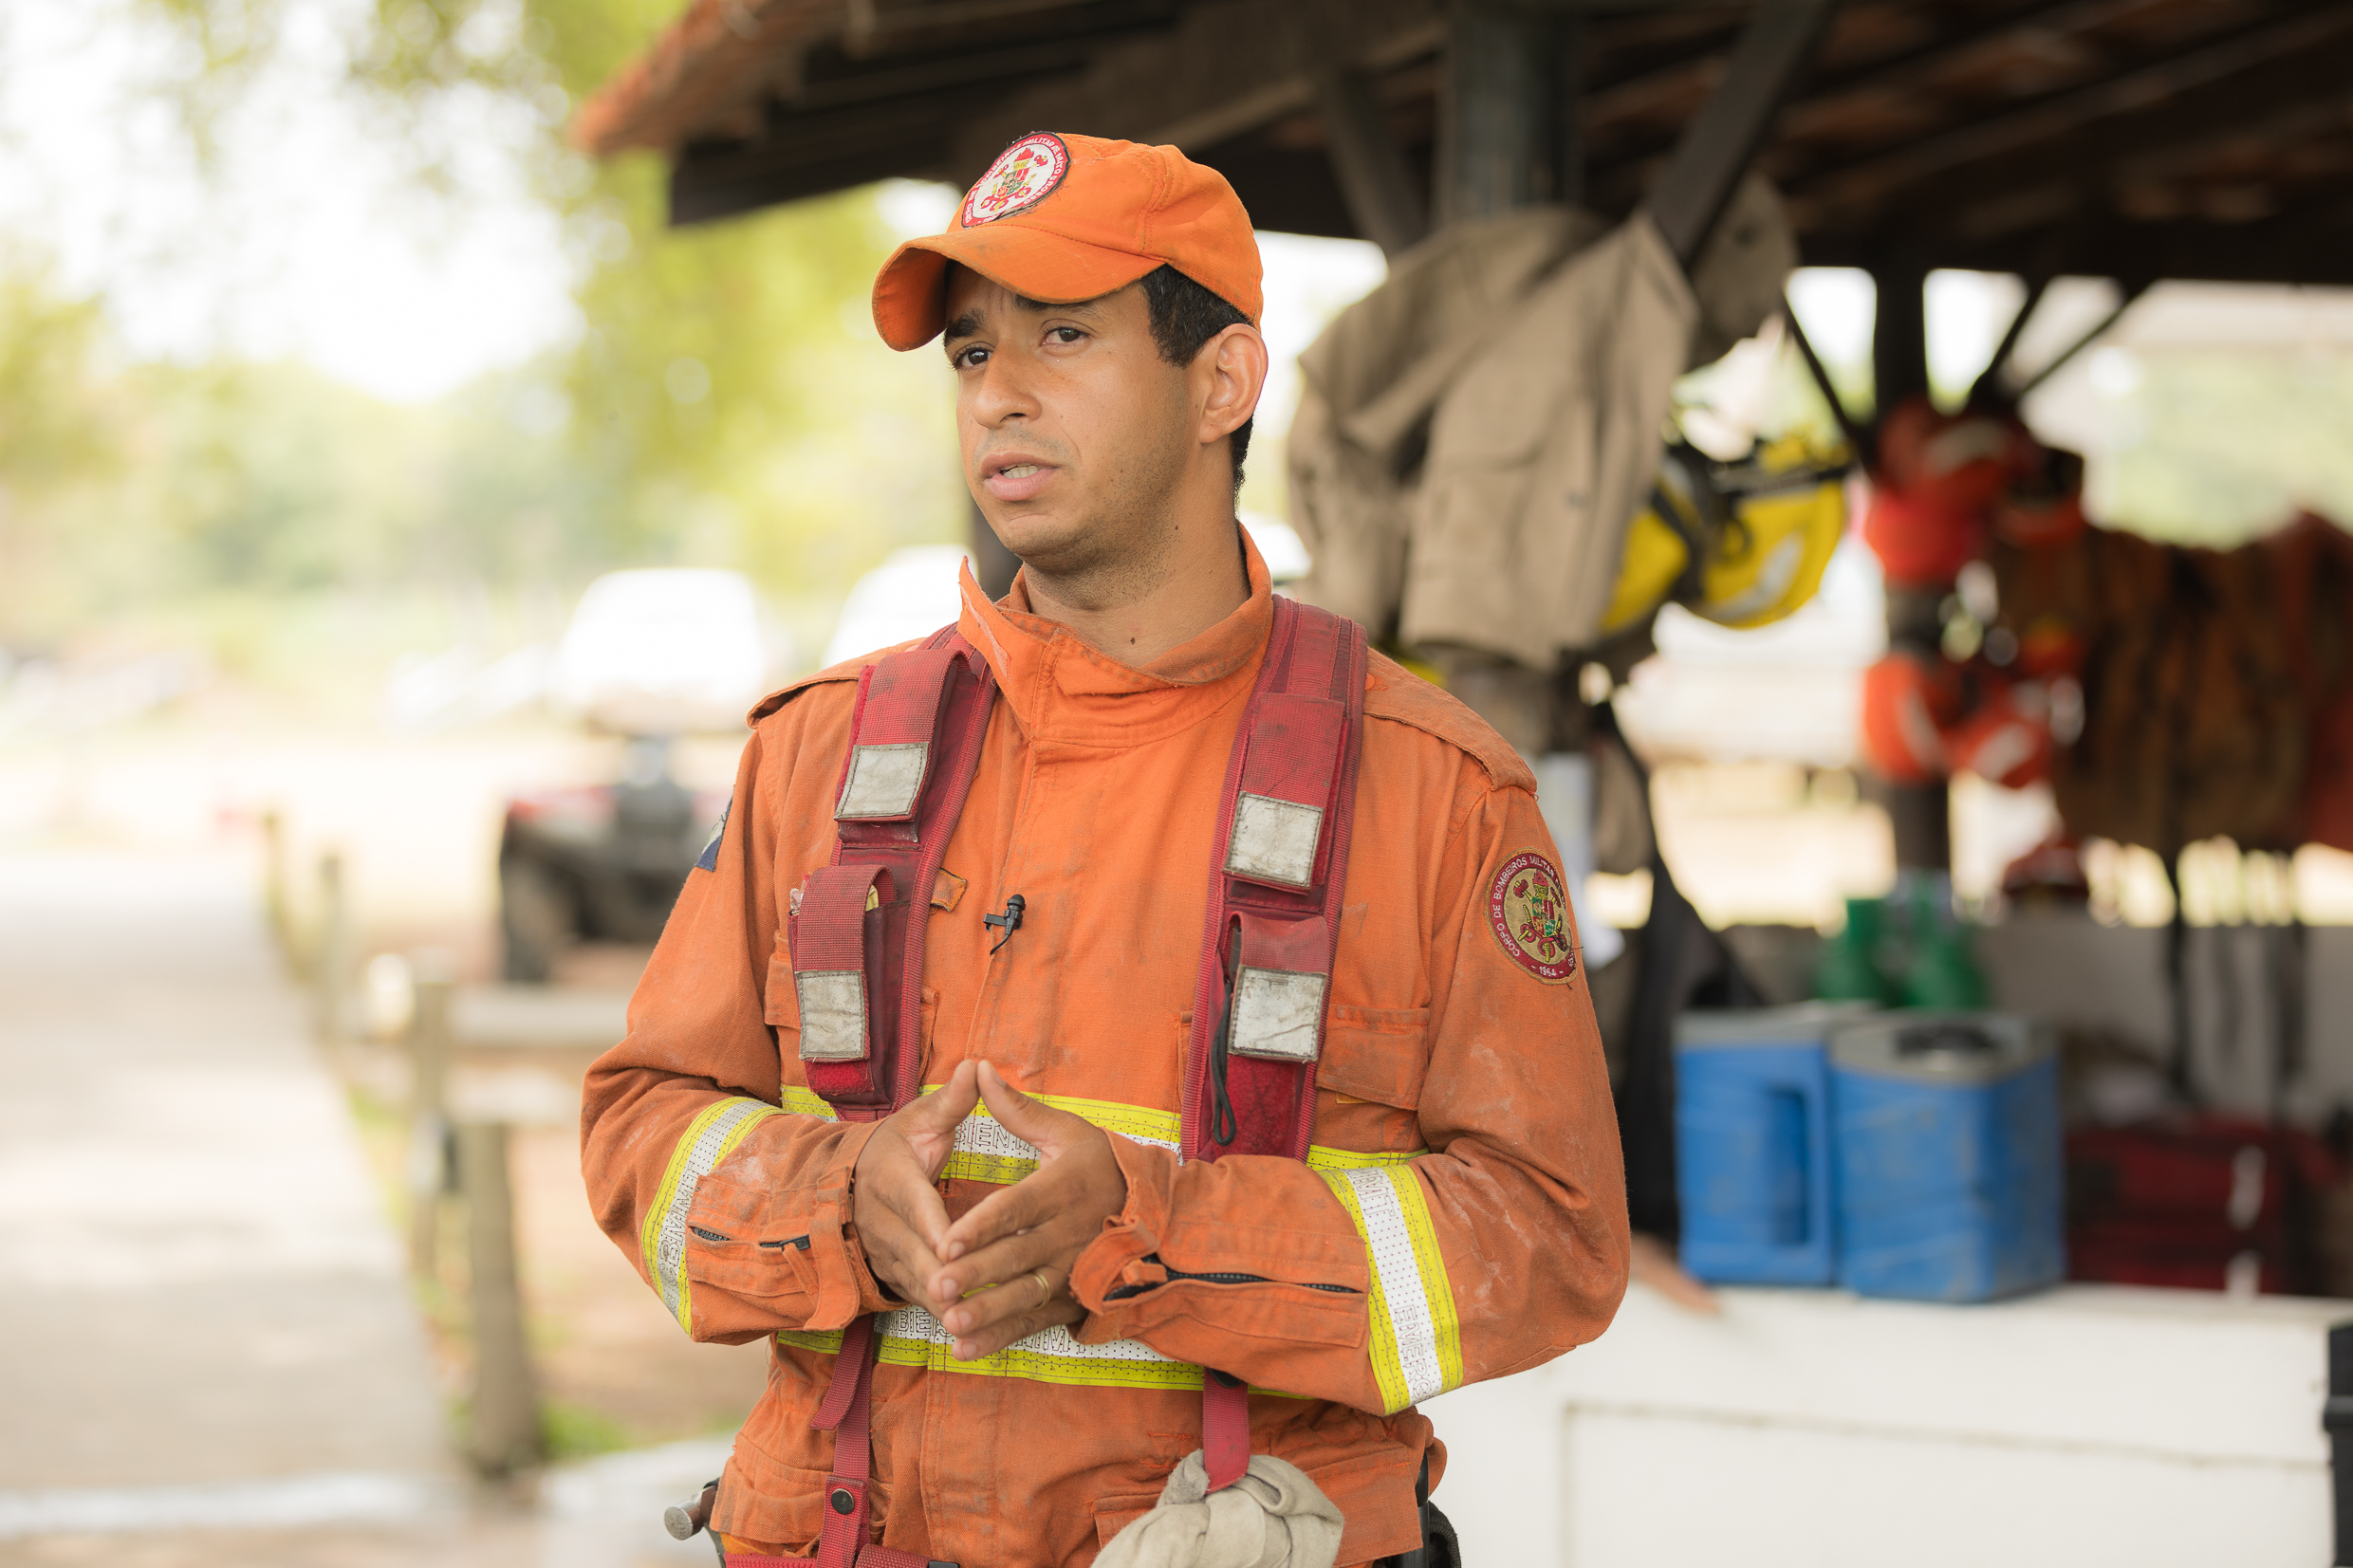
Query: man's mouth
point(1020, 480)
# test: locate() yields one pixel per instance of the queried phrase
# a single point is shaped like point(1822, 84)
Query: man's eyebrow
point(969, 324)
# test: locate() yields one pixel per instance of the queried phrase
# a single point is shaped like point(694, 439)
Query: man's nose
point(1004, 393)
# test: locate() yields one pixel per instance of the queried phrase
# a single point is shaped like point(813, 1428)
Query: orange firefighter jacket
point(1461, 1216)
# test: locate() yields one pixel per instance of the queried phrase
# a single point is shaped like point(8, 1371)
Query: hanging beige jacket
point(1475, 435)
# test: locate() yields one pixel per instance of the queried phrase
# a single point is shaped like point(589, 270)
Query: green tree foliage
point(725, 400)
point(727, 382)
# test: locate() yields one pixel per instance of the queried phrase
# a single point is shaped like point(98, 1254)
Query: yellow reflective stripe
point(804, 1102)
point(1416, 1341)
point(1321, 1159)
point(913, 1337)
point(986, 1151)
point(708, 1139)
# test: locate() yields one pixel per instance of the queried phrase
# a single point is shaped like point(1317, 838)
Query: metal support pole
point(1722, 140)
point(1567, 139)
point(1921, 814)
point(432, 1044)
point(1384, 199)
point(2128, 292)
point(1493, 110)
point(1898, 337)
point(506, 1429)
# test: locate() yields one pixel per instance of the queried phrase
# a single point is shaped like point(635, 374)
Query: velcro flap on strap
point(829, 961)
point(1286, 785)
point(898, 705)
point(1280, 985)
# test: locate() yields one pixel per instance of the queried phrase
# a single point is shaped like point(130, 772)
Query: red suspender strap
point(915, 745)
point(858, 970)
point(1273, 924)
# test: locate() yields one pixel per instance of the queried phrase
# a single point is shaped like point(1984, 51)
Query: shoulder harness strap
point(1277, 878)
point(857, 948)
point(857, 942)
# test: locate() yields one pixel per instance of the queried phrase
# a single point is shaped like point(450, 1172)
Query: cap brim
point(911, 291)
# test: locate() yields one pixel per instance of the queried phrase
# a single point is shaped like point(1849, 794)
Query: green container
point(1849, 969)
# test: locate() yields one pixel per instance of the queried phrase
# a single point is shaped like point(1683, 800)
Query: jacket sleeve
point(735, 1210)
point(1377, 1283)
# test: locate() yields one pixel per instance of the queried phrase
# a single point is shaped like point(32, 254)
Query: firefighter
point(1055, 1277)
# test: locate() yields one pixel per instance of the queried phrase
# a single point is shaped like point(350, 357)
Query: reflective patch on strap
point(1278, 1014)
point(1415, 1341)
point(883, 781)
point(708, 1139)
point(833, 1014)
point(1274, 841)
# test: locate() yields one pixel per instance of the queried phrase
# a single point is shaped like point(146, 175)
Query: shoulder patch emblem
point(709, 858)
point(1022, 175)
point(1529, 913)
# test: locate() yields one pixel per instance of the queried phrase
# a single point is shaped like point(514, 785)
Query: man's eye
point(964, 359)
point(1066, 334)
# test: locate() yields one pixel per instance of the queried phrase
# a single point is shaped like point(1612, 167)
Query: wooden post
point(277, 907)
point(330, 955)
point(506, 1429)
point(431, 1045)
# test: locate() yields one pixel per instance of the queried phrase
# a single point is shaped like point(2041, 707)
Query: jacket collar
point(1062, 689)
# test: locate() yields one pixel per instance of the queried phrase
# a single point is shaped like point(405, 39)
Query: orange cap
point(1064, 218)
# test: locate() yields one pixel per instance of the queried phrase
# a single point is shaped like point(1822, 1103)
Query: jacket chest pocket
point(782, 1007)
point(1374, 1053)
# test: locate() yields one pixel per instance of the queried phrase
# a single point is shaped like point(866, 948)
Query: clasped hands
point(1001, 1271)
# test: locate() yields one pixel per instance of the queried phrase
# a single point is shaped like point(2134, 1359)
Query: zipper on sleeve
point(1122, 1293)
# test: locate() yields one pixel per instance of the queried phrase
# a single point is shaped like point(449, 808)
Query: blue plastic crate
point(1948, 1156)
point(1752, 1143)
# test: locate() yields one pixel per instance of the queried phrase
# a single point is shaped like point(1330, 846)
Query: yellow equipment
point(1742, 543)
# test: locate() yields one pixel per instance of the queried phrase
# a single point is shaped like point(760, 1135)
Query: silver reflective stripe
point(912, 1337)
point(883, 782)
point(1277, 1014)
point(1274, 841)
point(1416, 1336)
point(708, 1138)
point(833, 1014)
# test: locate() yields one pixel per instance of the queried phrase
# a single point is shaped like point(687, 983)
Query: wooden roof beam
point(1228, 68)
point(1820, 201)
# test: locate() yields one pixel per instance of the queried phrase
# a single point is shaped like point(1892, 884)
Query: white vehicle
point(667, 652)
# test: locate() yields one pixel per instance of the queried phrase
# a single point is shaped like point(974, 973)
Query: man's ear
point(1229, 373)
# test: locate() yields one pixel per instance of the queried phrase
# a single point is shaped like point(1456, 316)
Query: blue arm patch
point(709, 858)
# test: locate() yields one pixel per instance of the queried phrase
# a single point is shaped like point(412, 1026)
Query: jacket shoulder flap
point(848, 669)
point(1396, 693)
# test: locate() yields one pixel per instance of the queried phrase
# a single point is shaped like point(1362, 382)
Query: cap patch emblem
point(1022, 176)
point(1530, 914)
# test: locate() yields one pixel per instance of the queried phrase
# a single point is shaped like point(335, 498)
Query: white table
point(2086, 1426)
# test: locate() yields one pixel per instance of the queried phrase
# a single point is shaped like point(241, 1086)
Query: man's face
point(1075, 430)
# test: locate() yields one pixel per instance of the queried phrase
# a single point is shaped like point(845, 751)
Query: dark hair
point(1185, 316)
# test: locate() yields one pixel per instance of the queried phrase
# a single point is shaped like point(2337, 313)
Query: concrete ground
point(209, 1353)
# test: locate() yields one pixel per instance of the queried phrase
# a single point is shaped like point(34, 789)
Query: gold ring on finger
point(1046, 1286)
